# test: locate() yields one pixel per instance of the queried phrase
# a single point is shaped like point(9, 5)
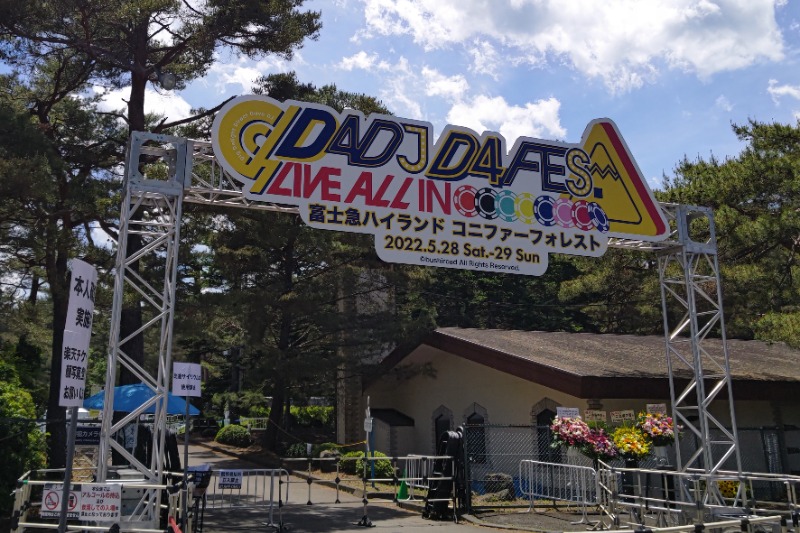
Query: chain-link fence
point(493, 454)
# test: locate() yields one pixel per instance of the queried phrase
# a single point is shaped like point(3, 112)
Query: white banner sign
point(623, 417)
point(101, 502)
point(657, 408)
point(81, 298)
point(593, 415)
point(186, 379)
point(74, 358)
point(568, 412)
point(230, 479)
point(77, 333)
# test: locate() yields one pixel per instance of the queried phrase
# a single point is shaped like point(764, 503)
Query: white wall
point(459, 384)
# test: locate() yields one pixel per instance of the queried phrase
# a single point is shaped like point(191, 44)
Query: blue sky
point(673, 74)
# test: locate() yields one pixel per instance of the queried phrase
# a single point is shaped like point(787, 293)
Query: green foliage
point(239, 403)
point(258, 411)
point(234, 435)
point(312, 415)
point(298, 449)
point(319, 448)
point(354, 463)
point(470, 299)
point(22, 445)
point(285, 86)
point(757, 215)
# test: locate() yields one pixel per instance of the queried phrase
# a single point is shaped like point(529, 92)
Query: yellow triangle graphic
point(618, 185)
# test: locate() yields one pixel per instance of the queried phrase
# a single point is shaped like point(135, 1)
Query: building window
point(441, 421)
point(440, 425)
point(542, 415)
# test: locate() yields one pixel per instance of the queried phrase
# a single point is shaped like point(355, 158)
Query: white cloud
point(778, 91)
point(362, 61)
point(622, 42)
point(226, 76)
point(484, 113)
point(723, 103)
point(448, 87)
point(400, 94)
point(164, 103)
point(485, 59)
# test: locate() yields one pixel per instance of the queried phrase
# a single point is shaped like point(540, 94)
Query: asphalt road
point(322, 515)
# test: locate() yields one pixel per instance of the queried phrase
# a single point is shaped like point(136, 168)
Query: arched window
point(441, 421)
point(542, 415)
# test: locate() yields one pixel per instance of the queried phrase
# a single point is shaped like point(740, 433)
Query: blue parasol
point(128, 398)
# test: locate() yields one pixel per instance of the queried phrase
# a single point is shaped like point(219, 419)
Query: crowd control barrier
point(559, 482)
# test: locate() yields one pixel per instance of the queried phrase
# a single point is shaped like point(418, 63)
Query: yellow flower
point(631, 442)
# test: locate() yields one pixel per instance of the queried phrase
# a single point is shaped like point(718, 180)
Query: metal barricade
point(259, 489)
point(29, 505)
point(559, 482)
point(418, 468)
point(354, 475)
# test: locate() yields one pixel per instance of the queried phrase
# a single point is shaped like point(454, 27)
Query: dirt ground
point(540, 519)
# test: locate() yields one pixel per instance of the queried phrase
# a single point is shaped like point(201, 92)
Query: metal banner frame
point(164, 171)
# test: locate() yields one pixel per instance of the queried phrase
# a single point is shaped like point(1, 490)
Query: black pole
point(73, 427)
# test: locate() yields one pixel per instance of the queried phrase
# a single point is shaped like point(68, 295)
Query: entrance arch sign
point(463, 201)
point(262, 162)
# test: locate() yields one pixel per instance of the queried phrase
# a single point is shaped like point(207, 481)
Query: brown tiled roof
point(591, 365)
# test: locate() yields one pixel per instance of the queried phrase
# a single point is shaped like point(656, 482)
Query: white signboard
point(568, 412)
point(186, 379)
point(51, 501)
point(657, 408)
point(74, 358)
point(593, 415)
point(77, 333)
point(230, 479)
point(623, 417)
point(101, 502)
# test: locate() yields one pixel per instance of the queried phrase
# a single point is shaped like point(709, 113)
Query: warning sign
point(101, 502)
point(230, 479)
point(51, 501)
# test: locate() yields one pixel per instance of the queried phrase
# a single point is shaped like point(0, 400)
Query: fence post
point(467, 470)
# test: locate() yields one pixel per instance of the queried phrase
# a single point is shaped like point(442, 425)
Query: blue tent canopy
point(128, 398)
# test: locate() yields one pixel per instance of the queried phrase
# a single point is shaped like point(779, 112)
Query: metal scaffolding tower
point(162, 172)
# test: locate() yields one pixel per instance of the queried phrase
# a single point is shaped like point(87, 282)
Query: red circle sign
point(51, 501)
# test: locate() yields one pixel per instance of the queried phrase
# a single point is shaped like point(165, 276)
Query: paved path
point(299, 517)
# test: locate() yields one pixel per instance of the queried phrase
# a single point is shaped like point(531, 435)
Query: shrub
point(312, 415)
point(319, 448)
point(22, 445)
point(383, 468)
point(298, 449)
point(233, 435)
point(348, 465)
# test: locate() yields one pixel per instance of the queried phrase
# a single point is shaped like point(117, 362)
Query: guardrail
point(656, 498)
point(254, 423)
